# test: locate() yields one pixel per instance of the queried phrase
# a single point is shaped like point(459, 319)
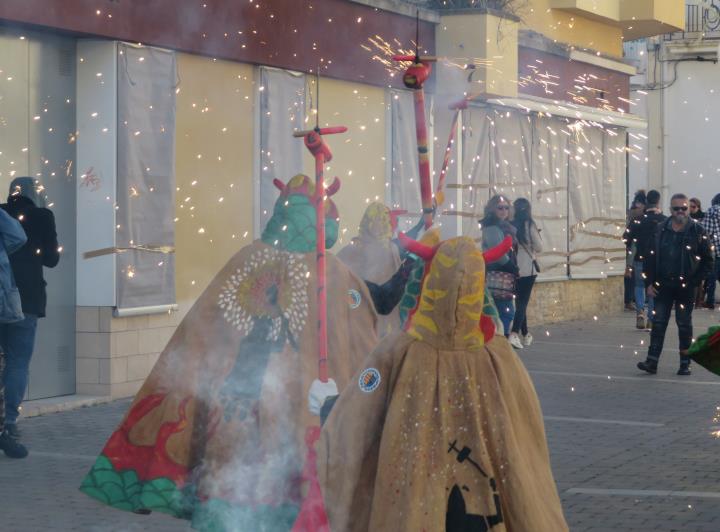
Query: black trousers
point(683, 299)
point(523, 290)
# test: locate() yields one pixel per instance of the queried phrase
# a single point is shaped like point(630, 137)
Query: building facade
point(677, 152)
point(158, 127)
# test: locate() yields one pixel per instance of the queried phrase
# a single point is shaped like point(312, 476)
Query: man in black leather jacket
point(679, 258)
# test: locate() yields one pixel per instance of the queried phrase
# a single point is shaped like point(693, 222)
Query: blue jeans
point(712, 280)
point(641, 298)
point(18, 341)
point(506, 311)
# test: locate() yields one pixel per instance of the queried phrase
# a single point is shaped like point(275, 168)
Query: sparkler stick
point(415, 75)
point(312, 516)
point(315, 143)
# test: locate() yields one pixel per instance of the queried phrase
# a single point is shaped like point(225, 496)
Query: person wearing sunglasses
point(680, 258)
point(501, 276)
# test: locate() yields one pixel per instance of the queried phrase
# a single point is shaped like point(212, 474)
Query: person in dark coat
point(25, 204)
point(640, 235)
point(679, 257)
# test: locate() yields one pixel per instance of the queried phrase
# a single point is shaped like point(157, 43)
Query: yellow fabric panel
point(214, 148)
point(358, 155)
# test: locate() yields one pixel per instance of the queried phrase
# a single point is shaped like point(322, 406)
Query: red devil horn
point(426, 253)
point(497, 253)
point(333, 188)
point(279, 185)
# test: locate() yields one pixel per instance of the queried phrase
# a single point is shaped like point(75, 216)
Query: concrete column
point(96, 170)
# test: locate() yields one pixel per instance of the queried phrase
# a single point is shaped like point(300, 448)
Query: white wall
point(692, 121)
point(96, 152)
point(680, 153)
point(638, 141)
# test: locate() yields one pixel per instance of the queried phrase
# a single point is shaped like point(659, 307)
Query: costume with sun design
point(216, 434)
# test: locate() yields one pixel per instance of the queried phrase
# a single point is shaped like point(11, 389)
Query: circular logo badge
point(354, 298)
point(369, 380)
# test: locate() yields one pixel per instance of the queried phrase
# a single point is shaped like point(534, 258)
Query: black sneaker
point(648, 365)
point(11, 447)
point(13, 431)
point(684, 369)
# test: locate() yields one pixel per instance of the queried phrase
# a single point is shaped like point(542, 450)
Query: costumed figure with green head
point(216, 433)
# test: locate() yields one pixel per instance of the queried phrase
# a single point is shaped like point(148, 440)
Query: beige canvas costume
point(374, 257)
point(442, 429)
point(216, 434)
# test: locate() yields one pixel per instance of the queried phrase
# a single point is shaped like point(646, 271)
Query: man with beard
point(679, 258)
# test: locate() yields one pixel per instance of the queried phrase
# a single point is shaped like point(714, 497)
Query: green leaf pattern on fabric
point(123, 490)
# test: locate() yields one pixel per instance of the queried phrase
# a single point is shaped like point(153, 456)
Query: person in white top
point(529, 244)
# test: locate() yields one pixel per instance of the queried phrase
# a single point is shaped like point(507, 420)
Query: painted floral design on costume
point(273, 284)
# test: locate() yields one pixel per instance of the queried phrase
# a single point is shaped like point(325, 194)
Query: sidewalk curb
point(53, 405)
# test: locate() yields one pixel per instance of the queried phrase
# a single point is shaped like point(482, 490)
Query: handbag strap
point(528, 251)
point(534, 260)
point(530, 226)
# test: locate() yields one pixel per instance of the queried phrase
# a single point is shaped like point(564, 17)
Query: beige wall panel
point(572, 29)
point(490, 41)
point(359, 154)
point(214, 150)
point(14, 105)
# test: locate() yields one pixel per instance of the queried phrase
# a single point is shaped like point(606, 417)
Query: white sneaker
point(527, 340)
point(515, 341)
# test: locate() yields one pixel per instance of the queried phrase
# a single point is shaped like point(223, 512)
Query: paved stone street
point(630, 451)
